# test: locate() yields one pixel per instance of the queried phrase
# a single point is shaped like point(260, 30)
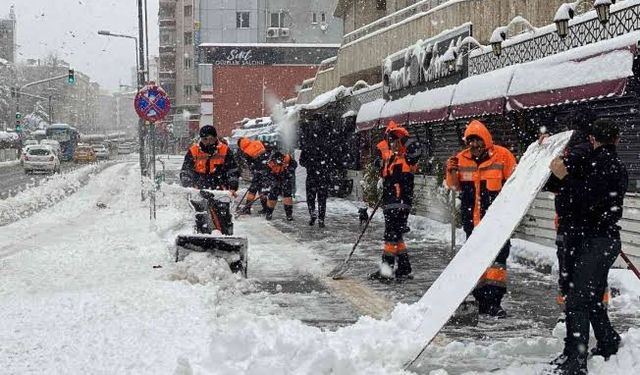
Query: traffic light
point(18, 115)
point(72, 77)
point(18, 127)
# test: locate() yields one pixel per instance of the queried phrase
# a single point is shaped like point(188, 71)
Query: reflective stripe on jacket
point(206, 163)
point(391, 161)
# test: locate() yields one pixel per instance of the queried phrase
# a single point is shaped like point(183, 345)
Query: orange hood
point(478, 129)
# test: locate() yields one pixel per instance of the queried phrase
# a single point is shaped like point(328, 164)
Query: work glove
point(452, 164)
point(380, 183)
point(186, 179)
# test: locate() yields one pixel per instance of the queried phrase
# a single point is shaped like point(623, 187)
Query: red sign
point(152, 103)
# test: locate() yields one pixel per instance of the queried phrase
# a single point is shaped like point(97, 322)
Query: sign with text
point(261, 54)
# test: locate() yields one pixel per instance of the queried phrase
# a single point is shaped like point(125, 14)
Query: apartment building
point(8, 37)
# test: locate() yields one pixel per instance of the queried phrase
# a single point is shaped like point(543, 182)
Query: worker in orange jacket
point(281, 167)
point(257, 158)
point(398, 155)
point(210, 164)
point(478, 172)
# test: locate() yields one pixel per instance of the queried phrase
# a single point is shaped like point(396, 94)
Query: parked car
point(24, 151)
point(84, 154)
point(41, 158)
point(101, 151)
point(29, 142)
point(124, 148)
point(55, 145)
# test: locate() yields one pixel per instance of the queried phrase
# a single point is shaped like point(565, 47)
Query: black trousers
point(317, 185)
point(590, 268)
point(488, 294)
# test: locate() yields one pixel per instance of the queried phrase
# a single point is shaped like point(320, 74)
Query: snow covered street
point(89, 289)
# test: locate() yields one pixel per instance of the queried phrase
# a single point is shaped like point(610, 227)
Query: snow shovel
point(215, 214)
point(337, 272)
point(237, 209)
point(630, 264)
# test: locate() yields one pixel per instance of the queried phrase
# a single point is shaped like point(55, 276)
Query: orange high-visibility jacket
point(206, 163)
point(480, 183)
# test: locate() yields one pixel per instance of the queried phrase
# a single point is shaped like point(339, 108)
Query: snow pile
point(629, 286)
point(53, 190)
point(204, 268)
point(540, 255)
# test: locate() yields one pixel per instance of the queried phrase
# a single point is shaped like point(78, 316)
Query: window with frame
point(323, 17)
point(314, 17)
point(276, 20)
point(381, 4)
point(188, 90)
point(188, 10)
point(242, 20)
point(188, 38)
point(188, 63)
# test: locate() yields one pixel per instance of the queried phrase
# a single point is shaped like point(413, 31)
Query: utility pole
point(141, 81)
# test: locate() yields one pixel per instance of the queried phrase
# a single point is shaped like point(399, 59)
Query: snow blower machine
point(213, 213)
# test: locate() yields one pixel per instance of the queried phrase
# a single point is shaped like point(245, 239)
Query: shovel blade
point(232, 249)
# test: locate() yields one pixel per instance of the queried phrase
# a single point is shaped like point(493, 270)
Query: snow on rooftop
point(327, 97)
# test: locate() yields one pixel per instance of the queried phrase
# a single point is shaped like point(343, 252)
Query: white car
point(124, 149)
point(101, 151)
point(28, 142)
point(23, 152)
point(41, 158)
point(55, 145)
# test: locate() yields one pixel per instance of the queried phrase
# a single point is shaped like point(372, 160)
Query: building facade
point(8, 37)
point(247, 79)
point(179, 27)
point(72, 104)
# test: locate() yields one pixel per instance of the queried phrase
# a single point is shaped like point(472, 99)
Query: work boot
point(404, 266)
point(288, 210)
point(574, 365)
point(263, 203)
point(269, 213)
point(606, 350)
point(562, 358)
point(496, 311)
point(385, 271)
point(321, 223)
point(312, 219)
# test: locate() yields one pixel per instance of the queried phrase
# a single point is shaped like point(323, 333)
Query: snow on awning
point(326, 98)
point(572, 76)
point(369, 115)
point(396, 110)
point(483, 94)
point(431, 105)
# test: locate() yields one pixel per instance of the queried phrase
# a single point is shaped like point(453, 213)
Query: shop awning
point(571, 77)
point(431, 105)
point(396, 110)
point(482, 94)
point(369, 115)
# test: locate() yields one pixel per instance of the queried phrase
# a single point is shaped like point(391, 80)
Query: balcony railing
point(419, 7)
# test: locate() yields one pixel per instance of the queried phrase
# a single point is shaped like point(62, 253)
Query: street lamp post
point(140, 82)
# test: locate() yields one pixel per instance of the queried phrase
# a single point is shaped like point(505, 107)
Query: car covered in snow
point(84, 154)
point(53, 144)
point(124, 148)
point(102, 152)
point(40, 158)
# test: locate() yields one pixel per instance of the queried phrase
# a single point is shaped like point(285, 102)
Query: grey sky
point(69, 28)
